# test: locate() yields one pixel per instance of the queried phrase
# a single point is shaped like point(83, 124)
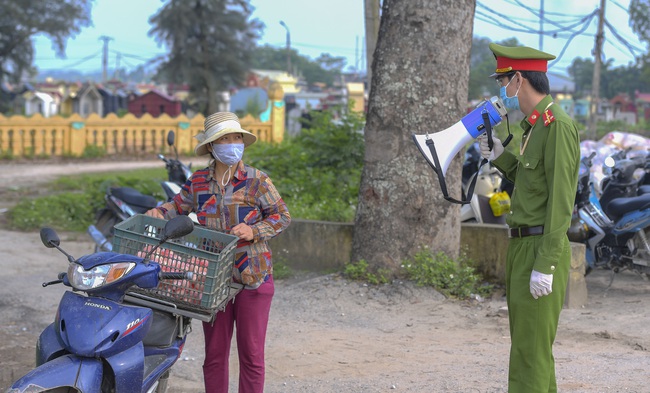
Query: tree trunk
point(419, 85)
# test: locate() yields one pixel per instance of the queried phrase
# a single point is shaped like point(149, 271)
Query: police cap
point(519, 58)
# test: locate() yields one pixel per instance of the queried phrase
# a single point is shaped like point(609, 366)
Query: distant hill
point(68, 75)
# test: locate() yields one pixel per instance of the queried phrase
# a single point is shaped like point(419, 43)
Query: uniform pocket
point(531, 176)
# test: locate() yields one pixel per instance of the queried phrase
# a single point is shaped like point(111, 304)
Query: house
point(155, 103)
point(88, 100)
point(264, 78)
point(39, 102)
point(642, 101)
point(621, 108)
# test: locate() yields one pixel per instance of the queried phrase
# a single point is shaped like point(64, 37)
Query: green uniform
point(545, 175)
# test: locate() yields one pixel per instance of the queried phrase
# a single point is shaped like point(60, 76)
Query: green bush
point(360, 272)
point(317, 172)
point(451, 278)
point(92, 151)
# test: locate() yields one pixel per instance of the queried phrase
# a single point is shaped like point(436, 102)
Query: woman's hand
point(242, 231)
point(154, 213)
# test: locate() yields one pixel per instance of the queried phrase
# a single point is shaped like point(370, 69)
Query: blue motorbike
point(616, 235)
point(126, 320)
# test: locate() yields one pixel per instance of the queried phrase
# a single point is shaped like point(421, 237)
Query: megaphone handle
point(488, 129)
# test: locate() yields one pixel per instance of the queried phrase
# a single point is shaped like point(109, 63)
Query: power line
point(566, 45)
point(622, 40)
point(83, 60)
point(526, 29)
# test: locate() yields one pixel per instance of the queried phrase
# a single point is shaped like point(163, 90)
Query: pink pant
point(250, 312)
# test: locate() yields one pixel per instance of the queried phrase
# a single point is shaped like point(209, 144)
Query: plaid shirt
point(249, 198)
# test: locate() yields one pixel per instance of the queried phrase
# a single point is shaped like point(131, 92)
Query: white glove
point(540, 284)
point(497, 147)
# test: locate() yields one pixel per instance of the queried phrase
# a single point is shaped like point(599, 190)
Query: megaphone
point(441, 147)
point(447, 143)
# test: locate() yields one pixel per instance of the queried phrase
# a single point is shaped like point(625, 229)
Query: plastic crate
point(207, 253)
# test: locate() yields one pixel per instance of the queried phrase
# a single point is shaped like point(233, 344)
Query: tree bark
point(419, 85)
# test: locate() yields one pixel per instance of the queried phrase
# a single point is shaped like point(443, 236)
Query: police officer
point(545, 176)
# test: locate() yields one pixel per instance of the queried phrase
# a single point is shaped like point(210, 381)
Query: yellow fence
point(37, 136)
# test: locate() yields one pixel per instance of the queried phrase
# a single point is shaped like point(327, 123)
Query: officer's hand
point(497, 147)
point(154, 213)
point(540, 284)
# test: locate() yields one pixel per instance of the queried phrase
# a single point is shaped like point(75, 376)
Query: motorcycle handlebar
point(177, 276)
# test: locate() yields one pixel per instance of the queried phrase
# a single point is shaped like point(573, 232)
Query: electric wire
point(566, 44)
point(83, 60)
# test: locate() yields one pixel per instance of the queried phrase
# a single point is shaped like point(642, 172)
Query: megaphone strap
point(441, 177)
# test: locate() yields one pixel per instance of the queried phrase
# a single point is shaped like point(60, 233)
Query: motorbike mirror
point(178, 226)
point(170, 138)
point(609, 162)
point(49, 238)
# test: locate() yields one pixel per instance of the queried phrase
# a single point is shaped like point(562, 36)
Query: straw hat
point(217, 125)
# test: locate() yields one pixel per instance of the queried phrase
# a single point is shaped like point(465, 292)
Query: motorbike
point(124, 323)
point(177, 172)
point(125, 202)
point(615, 235)
point(490, 200)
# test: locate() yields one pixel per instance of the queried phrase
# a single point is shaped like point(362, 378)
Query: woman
point(235, 198)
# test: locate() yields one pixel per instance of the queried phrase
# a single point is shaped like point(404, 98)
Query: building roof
point(560, 83)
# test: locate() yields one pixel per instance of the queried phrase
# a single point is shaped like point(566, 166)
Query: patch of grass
point(452, 278)
point(73, 200)
point(280, 269)
point(360, 271)
point(92, 151)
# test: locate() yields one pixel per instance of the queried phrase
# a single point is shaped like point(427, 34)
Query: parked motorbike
point(615, 238)
point(125, 202)
point(104, 337)
point(490, 200)
point(177, 172)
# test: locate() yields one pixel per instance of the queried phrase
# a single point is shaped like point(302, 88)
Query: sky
point(337, 27)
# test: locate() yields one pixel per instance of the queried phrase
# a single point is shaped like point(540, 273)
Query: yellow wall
point(22, 136)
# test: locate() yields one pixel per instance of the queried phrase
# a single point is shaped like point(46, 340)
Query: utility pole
point(105, 56)
point(116, 74)
point(541, 25)
point(595, 84)
point(288, 47)
point(371, 11)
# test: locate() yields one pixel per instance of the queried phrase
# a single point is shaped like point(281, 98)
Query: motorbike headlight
point(98, 276)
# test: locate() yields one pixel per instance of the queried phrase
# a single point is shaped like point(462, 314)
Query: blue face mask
point(509, 102)
point(230, 153)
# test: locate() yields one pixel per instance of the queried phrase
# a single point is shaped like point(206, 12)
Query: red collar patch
point(532, 119)
point(548, 117)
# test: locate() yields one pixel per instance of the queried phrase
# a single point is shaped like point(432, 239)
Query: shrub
point(451, 278)
point(360, 272)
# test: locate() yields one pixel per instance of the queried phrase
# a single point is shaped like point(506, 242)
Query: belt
point(526, 231)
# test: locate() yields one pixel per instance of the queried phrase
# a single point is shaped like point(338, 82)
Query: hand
point(497, 147)
point(154, 213)
point(242, 231)
point(540, 284)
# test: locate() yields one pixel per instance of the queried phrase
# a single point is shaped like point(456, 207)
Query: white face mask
point(229, 154)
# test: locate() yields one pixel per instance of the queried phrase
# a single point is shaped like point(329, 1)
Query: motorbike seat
point(618, 207)
point(134, 198)
point(644, 190)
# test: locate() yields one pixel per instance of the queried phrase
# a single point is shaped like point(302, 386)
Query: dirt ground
point(327, 334)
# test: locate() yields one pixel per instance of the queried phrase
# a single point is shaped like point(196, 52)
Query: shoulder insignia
point(548, 117)
point(532, 119)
